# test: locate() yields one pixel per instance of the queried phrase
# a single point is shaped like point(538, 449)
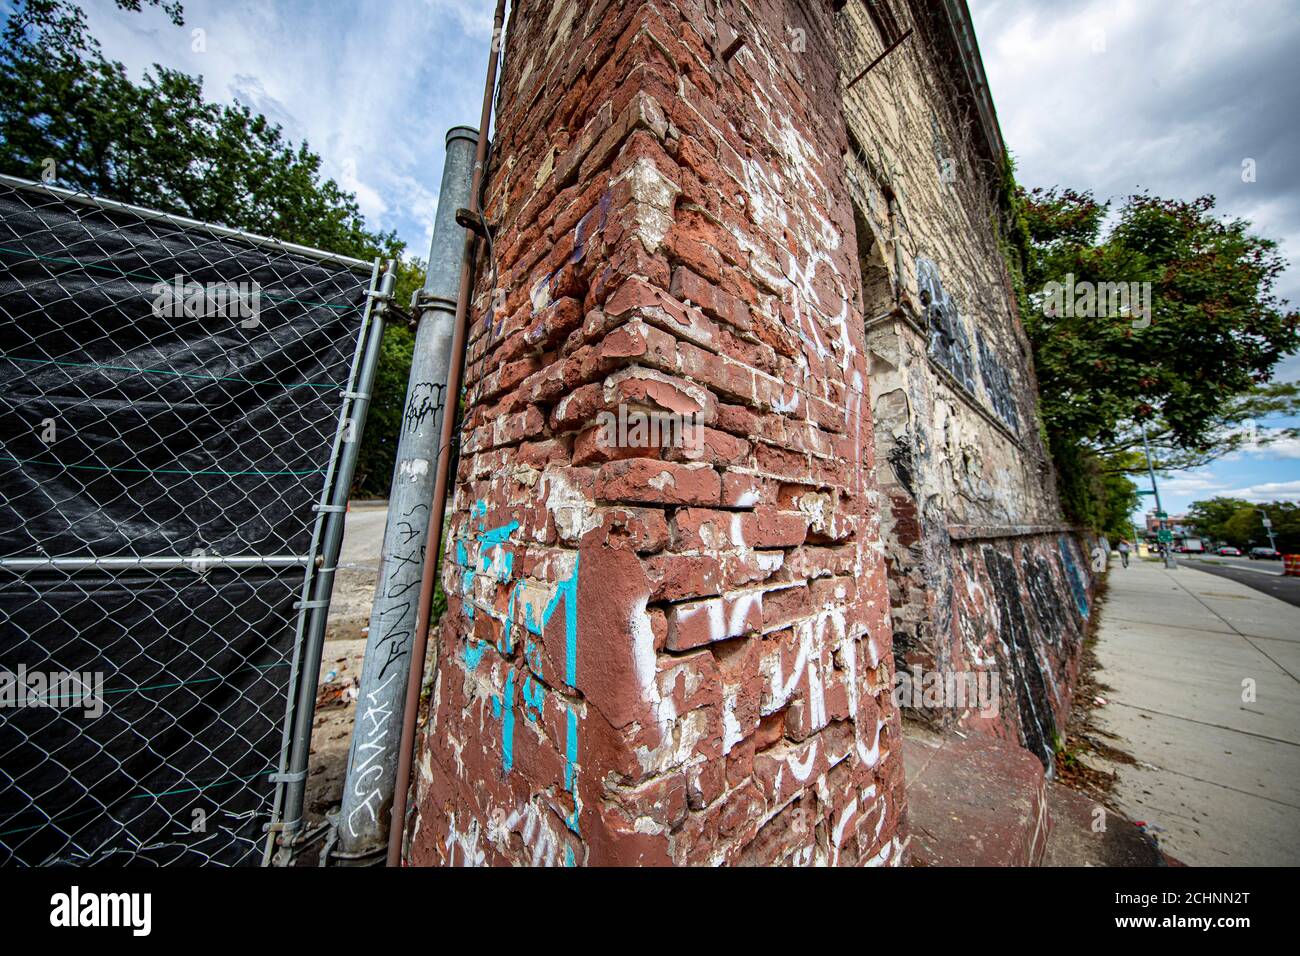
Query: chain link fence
point(177, 404)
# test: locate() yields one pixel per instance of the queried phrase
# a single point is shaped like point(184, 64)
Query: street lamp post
point(1268, 528)
point(1170, 563)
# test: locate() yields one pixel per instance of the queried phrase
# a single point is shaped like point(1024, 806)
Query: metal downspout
point(363, 819)
point(410, 711)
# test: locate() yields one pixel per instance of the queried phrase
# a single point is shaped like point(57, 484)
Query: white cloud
point(421, 204)
point(1268, 491)
point(1278, 448)
point(1180, 95)
point(474, 17)
point(1186, 483)
point(372, 88)
point(1173, 100)
point(1289, 369)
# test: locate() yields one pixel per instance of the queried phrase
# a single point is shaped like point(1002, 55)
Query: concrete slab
point(1218, 774)
point(1240, 608)
point(1204, 824)
point(1144, 601)
point(1285, 654)
point(1250, 764)
point(976, 801)
point(363, 535)
point(1198, 675)
point(1086, 834)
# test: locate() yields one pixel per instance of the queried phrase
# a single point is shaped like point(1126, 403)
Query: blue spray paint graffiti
point(504, 711)
point(1077, 584)
point(494, 555)
point(533, 700)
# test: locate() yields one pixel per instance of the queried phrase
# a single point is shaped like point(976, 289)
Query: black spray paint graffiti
point(949, 343)
point(1059, 625)
point(997, 384)
point(1037, 720)
point(425, 402)
point(937, 568)
point(900, 460)
point(401, 575)
point(950, 346)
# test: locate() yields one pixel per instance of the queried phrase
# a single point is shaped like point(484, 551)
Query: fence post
point(372, 760)
point(316, 607)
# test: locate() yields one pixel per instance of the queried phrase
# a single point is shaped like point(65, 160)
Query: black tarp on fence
point(167, 392)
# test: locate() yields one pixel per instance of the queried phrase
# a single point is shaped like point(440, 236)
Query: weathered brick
point(677, 576)
point(674, 236)
point(648, 480)
point(717, 619)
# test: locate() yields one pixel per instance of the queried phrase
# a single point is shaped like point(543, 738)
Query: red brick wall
point(649, 658)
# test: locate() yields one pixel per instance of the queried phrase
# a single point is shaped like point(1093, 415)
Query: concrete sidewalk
point(1218, 774)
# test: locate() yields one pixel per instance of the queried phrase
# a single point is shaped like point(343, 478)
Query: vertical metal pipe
point(1170, 563)
point(1268, 528)
point(331, 543)
point(305, 592)
point(372, 760)
point(410, 710)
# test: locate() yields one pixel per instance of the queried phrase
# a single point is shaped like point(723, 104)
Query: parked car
point(1228, 551)
point(1263, 554)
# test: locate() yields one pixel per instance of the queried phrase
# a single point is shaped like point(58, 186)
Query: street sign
point(1164, 535)
point(1148, 491)
point(1162, 515)
point(1268, 523)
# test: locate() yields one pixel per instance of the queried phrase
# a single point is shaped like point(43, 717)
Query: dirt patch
point(336, 691)
point(1084, 743)
point(354, 592)
point(331, 734)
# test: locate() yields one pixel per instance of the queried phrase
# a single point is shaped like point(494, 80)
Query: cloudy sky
point(1117, 95)
point(1108, 95)
point(372, 87)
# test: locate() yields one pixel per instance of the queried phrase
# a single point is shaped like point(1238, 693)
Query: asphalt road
point(1269, 567)
point(363, 535)
point(1267, 580)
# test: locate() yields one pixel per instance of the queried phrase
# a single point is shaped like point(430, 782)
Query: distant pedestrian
point(1123, 552)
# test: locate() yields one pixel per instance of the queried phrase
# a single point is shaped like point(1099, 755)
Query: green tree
point(1097, 494)
point(1286, 525)
point(1118, 499)
point(1211, 517)
point(67, 110)
point(1243, 528)
point(159, 143)
point(1241, 523)
point(1194, 372)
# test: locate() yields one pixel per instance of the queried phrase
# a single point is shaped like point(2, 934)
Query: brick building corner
point(662, 655)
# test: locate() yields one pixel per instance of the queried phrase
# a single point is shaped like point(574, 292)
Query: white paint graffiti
point(471, 854)
point(368, 759)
